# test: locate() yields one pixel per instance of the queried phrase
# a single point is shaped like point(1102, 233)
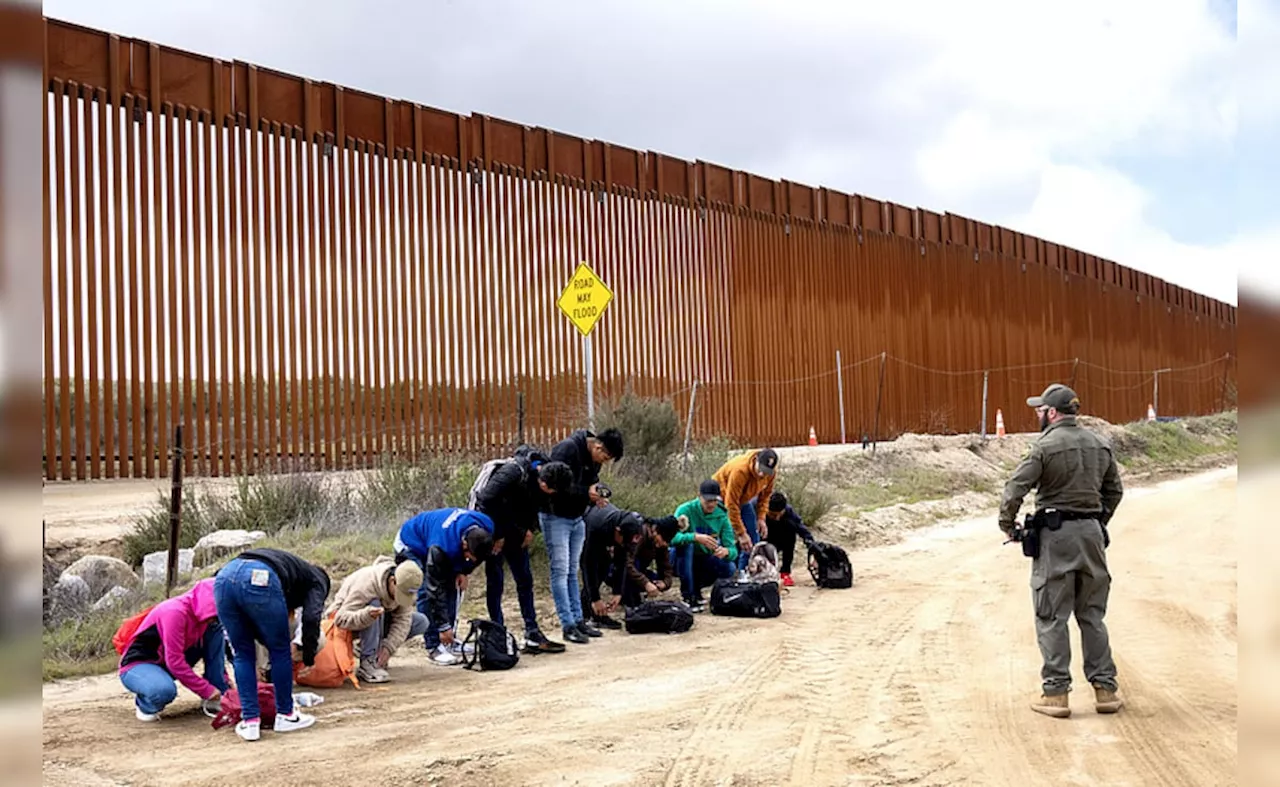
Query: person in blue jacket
point(448, 543)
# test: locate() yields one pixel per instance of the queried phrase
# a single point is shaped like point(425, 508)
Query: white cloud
point(1002, 110)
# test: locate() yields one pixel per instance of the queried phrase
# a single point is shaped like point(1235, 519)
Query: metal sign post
point(583, 301)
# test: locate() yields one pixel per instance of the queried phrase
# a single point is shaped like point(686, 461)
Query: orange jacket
point(739, 483)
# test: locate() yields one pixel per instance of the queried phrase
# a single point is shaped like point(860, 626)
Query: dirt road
point(920, 674)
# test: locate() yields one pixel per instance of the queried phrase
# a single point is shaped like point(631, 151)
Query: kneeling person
point(376, 605)
point(706, 547)
point(784, 525)
point(612, 537)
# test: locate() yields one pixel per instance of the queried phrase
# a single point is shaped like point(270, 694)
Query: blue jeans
point(515, 555)
point(749, 522)
point(252, 611)
point(564, 539)
point(698, 570)
point(371, 637)
point(155, 687)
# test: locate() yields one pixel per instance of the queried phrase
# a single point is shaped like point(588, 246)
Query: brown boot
point(1106, 700)
point(1052, 705)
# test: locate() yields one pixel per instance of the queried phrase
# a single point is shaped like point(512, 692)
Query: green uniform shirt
point(1070, 467)
point(714, 524)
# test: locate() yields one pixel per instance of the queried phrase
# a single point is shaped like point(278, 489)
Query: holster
point(1031, 536)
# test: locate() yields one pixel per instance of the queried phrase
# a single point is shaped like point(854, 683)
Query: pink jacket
point(169, 630)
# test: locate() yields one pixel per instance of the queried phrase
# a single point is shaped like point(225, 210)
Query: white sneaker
point(146, 716)
point(249, 731)
point(298, 721)
point(445, 656)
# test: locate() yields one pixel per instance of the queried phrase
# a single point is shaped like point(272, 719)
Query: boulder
point(102, 573)
point(68, 598)
point(221, 543)
point(155, 566)
point(114, 597)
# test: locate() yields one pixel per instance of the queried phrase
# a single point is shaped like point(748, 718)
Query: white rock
point(155, 566)
point(112, 598)
point(224, 542)
point(102, 573)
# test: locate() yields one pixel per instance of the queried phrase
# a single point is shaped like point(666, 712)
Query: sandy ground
point(921, 674)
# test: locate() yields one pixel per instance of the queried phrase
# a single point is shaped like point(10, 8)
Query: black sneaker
point(606, 622)
point(586, 627)
point(696, 605)
point(537, 642)
point(572, 634)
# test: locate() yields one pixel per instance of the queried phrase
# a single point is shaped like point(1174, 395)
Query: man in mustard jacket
point(746, 482)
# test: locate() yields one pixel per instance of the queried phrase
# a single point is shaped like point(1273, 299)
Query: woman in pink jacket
point(175, 635)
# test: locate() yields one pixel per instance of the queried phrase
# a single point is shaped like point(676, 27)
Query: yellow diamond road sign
point(584, 299)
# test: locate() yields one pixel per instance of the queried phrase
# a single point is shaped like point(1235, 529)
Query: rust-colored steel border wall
point(300, 272)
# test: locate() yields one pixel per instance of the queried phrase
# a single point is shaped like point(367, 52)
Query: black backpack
point(659, 617)
point(745, 599)
point(492, 647)
point(829, 565)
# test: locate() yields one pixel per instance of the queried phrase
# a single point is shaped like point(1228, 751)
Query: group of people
point(268, 604)
point(277, 600)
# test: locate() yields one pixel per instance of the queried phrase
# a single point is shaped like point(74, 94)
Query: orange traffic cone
point(813, 436)
point(999, 423)
point(1151, 413)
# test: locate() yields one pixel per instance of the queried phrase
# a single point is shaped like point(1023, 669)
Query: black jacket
point(788, 526)
point(573, 452)
point(305, 586)
point(512, 499)
point(603, 558)
point(439, 575)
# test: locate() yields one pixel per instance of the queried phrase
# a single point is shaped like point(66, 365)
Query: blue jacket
point(443, 528)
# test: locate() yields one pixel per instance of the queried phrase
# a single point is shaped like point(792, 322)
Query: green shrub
point(806, 494)
point(650, 429)
point(398, 489)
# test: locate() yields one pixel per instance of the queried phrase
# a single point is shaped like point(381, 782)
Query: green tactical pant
point(1070, 575)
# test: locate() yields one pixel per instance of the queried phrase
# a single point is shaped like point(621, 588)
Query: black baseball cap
point(767, 461)
point(1057, 396)
point(710, 490)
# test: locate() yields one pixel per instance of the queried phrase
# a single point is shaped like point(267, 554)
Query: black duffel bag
point(659, 617)
point(745, 599)
point(492, 647)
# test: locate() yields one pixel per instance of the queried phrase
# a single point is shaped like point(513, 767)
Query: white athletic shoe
point(445, 656)
point(298, 721)
point(146, 716)
point(249, 731)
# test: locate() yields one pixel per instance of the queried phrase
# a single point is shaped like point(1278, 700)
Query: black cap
point(710, 490)
point(767, 461)
point(1057, 396)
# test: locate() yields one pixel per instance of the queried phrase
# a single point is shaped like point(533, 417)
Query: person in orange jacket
point(747, 484)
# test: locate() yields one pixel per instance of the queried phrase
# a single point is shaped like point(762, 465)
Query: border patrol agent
point(1078, 488)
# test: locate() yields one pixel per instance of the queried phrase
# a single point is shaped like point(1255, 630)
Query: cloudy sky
point(1119, 128)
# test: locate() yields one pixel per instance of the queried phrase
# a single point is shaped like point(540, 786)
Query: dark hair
point(777, 502)
point(556, 475)
point(631, 525)
point(611, 439)
point(479, 543)
point(667, 527)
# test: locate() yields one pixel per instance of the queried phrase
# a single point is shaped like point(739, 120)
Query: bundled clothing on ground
point(174, 635)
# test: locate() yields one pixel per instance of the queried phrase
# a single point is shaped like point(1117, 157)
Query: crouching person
point(254, 593)
point(648, 567)
point(784, 526)
point(376, 605)
point(447, 544)
point(705, 547)
point(612, 536)
point(174, 635)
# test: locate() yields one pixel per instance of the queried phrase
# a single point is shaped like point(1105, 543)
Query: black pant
point(785, 540)
point(515, 555)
